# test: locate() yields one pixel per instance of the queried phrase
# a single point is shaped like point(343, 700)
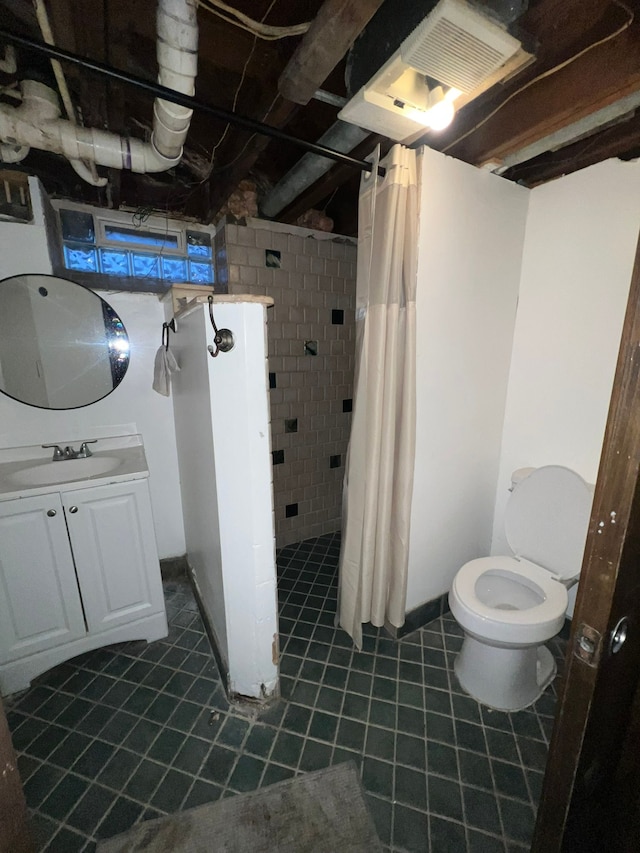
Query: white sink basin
point(65, 471)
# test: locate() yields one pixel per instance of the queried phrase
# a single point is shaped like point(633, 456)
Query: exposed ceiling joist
point(601, 75)
point(607, 116)
point(585, 109)
point(620, 139)
point(332, 32)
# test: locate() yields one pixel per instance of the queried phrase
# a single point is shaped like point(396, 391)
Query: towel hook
point(223, 338)
point(165, 332)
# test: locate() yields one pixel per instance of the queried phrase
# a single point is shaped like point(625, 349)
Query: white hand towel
point(165, 364)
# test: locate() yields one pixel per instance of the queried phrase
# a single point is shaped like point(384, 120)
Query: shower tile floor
point(136, 731)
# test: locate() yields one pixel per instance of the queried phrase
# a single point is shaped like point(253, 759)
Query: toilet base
point(507, 679)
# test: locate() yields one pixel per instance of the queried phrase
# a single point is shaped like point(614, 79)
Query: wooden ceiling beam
point(592, 82)
point(614, 141)
point(332, 32)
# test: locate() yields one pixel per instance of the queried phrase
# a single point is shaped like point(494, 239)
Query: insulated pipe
point(37, 122)
point(341, 136)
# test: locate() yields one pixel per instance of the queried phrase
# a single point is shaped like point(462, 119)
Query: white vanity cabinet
point(40, 604)
point(78, 570)
point(114, 546)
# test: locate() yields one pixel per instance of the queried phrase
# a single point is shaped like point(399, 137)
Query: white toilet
point(509, 606)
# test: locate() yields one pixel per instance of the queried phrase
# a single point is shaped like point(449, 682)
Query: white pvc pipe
point(47, 35)
point(87, 171)
point(177, 54)
point(37, 123)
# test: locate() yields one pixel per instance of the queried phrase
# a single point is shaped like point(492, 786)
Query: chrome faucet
point(59, 455)
point(58, 452)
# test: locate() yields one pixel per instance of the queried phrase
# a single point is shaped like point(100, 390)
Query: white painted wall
point(194, 436)
point(23, 248)
point(223, 431)
point(471, 235)
point(578, 258)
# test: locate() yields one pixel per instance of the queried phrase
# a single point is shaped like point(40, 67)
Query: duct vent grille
point(458, 46)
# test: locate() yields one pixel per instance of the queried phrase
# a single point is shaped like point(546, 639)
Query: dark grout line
point(315, 654)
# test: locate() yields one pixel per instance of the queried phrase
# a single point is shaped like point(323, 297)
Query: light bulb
point(441, 115)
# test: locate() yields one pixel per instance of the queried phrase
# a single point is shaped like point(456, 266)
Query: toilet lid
point(547, 518)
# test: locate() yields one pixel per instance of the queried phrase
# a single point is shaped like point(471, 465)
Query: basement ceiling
point(574, 105)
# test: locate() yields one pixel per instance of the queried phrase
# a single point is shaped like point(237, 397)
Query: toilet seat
point(531, 625)
point(547, 517)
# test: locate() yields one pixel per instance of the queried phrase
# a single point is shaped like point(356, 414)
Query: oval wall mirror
point(61, 345)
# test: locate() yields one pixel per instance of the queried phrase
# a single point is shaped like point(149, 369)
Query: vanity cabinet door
point(39, 600)
point(113, 541)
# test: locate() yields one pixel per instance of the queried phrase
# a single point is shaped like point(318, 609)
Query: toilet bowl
point(508, 607)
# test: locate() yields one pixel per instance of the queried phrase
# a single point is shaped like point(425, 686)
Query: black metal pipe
point(174, 97)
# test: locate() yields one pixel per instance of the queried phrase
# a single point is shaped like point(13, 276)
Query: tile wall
point(311, 342)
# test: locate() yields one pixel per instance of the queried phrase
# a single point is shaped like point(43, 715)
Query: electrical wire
point(140, 215)
point(549, 73)
point(236, 95)
point(257, 28)
point(228, 165)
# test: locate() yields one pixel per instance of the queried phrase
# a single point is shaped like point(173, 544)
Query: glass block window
point(135, 253)
point(114, 263)
point(82, 258)
point(174, 269)
point(198, 244)
point(77, 227)
point(145, 266)
point(200, 273)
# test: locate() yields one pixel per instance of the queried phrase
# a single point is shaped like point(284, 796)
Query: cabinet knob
point(51, 513)
point(73, 509)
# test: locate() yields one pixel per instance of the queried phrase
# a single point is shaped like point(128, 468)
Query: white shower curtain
point(380, 460)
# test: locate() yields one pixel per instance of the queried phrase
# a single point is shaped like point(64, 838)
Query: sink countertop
point(128, 449)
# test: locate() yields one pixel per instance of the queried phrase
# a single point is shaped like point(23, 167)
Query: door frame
point(14, 830)
point(596, 698)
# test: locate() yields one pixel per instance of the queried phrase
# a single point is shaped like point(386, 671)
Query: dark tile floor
point(135, 731)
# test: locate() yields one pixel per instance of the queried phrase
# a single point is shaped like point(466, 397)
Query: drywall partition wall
point(133, 404)
point(471, 234)
point(578, 258)
point(222, 425)
point(194, 436)
point(311, 277)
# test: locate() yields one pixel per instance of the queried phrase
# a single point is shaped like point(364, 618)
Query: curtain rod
point(174, 97)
